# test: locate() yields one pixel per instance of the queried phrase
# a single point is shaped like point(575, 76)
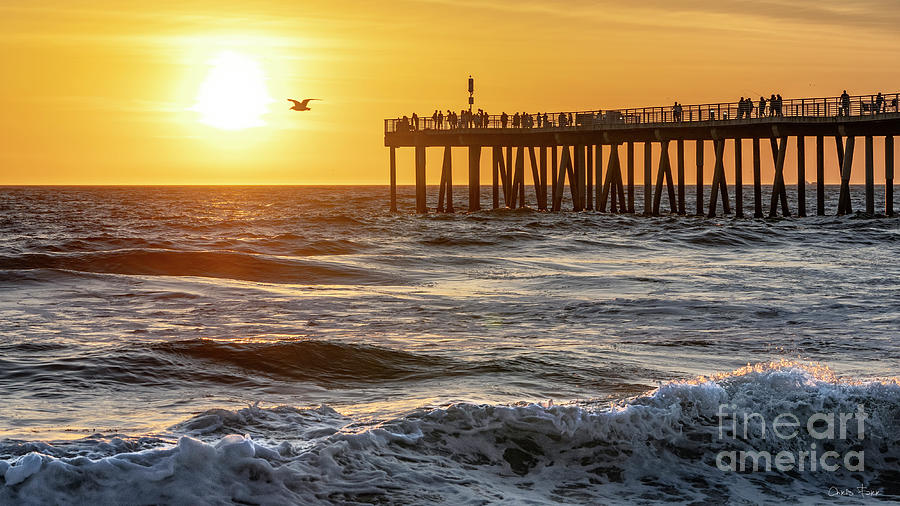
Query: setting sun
point(234, 95)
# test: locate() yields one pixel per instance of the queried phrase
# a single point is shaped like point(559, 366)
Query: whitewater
point(302, 345)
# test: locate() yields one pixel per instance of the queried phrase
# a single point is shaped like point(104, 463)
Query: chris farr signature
point(860, 491)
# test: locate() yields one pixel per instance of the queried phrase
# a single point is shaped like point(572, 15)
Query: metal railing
point(760, 109)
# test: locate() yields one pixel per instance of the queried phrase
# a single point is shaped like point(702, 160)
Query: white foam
point(657, 447)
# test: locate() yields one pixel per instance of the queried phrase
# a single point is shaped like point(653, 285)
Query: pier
point(586, 155)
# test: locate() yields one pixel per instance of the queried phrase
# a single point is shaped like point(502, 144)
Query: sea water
point(270, 345)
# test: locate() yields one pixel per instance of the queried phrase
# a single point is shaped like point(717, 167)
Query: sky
point(110, 92)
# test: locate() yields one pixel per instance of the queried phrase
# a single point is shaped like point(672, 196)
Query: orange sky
point(94, 92)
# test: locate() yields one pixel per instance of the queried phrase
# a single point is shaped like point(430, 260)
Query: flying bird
point(301, 106)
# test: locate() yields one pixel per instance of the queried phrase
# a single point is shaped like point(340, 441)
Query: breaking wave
point(659, 447)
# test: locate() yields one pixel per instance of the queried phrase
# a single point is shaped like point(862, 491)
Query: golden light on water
point(234, 95)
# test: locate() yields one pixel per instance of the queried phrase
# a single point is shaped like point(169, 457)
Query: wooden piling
point(573, 178)
point(680, 161)
point(421, 204)
point(520, 177)
point(870, 175)
point(445, 189)
point(505, 183)
point(589, 178)
point(719, 184)
point(820, 175)
point(801, 176)
point(580, 178)
point(664, 176)
point(889, 175)
point(474, 178)
point(629, 155)
point(648, 181)
point(496, 160)
point(757, 181)
point(535, 177)
point(779, 191)
point(554, 167)
point(598, 174)
point(544, 178)
point(845, 204)
point(393, 179)
point(699, 158)
point(510, 193)
point(739, 178)
point(613, 190)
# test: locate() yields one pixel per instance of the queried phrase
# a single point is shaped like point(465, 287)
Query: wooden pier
point(585, 154)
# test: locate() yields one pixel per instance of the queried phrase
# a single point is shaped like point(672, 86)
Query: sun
point(234, 95)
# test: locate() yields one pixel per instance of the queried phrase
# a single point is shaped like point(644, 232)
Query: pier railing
point(857, 105)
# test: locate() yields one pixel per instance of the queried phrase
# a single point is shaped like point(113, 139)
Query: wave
point(214, 264)
point(664, 446)
point(318, 361)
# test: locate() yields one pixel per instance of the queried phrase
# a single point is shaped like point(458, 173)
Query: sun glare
point(234, 95)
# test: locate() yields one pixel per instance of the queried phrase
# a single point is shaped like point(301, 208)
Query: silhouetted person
point(879, 103)
point(415, 121)
point(547, 121)
point(749, 106)
point(845, 104)
point(539, 120)
point(440, 120)
point(562, 120)
point(761, 107)
point(571, 121)
point(504, 119)
point(780, 103)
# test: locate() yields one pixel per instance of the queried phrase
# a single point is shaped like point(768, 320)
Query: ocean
point(302, 345)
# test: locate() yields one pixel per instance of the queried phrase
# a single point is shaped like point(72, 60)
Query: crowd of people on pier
point(746, 108)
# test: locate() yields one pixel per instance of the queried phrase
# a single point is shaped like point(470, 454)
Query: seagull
point(301, 106)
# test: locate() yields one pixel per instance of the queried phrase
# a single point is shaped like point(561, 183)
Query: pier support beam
point(613, 189)
point(580, 178)
point(589, 178)
point(598, 174)
point(474, 178)
point(820, 175)
point(719, 184)
point(889, 175)
point(757, 181)
point(739, 178)
point(573, 177)
point(421, 204)
point(554, 169)
point(393, 179)
point(496, 159)
point(699, 158)
point(445, 191)
point(648, 178)
point(565, 169)
point(779, 192)
point(870, 175)
point(509, 194)
point(518, 197)
point(680, 161)
point(664, 171)
point(801, 176)
point(629, 154)
point(537, 182)
point(845, 205)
